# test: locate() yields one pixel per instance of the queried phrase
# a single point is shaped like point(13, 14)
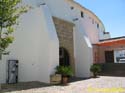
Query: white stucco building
point(49, 27)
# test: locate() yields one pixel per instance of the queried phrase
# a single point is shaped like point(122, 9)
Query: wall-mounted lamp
point(41, 4)
point(75, 19)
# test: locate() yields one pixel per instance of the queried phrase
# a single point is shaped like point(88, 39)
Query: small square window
point(92, 21)
point(82, 14)
point(97, 25)
point(72, 7)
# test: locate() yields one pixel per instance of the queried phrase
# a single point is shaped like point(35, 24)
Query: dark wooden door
point(64, 57)
point(109, 56)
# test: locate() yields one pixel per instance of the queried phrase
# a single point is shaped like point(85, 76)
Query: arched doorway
point(64, 59)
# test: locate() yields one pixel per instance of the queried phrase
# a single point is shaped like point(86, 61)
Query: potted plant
point(66, 72)
point(55, 78)
point(95, 69)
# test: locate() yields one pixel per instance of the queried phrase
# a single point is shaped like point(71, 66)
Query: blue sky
point(111, 12)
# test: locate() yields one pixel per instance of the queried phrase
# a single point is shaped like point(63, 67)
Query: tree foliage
point(10, 11)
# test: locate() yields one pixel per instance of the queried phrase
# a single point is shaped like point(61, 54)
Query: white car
point(122, 61)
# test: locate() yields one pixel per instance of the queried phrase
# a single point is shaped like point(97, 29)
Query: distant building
point(110, 50)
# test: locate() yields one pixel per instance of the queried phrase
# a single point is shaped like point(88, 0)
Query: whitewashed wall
point(83, 52)
point(62, 9)
point(91, 29)
point(82, 42)
point(3, 69)
point(36, 47)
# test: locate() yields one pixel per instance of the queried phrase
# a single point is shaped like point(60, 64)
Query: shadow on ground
point(22, 86)
point(32, 85)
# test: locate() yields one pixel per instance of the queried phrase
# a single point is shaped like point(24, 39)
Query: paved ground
point(103, 84)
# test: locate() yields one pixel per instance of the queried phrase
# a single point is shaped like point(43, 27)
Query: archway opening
point(64, 59)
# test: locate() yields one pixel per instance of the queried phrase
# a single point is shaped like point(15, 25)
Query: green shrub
point(95, 69)
point(64, 70)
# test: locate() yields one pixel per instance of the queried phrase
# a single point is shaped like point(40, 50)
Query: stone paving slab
point(103, 84)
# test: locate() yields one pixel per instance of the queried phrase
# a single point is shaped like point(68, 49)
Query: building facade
point(109, 51)
point(52, 33)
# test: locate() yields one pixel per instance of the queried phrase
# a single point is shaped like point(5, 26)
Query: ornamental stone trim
point(65, 35)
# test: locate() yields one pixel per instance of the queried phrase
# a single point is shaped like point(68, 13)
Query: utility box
point(12, 71)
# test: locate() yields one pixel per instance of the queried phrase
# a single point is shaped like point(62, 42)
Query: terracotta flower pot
point(94, 75)
point(65, 80)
